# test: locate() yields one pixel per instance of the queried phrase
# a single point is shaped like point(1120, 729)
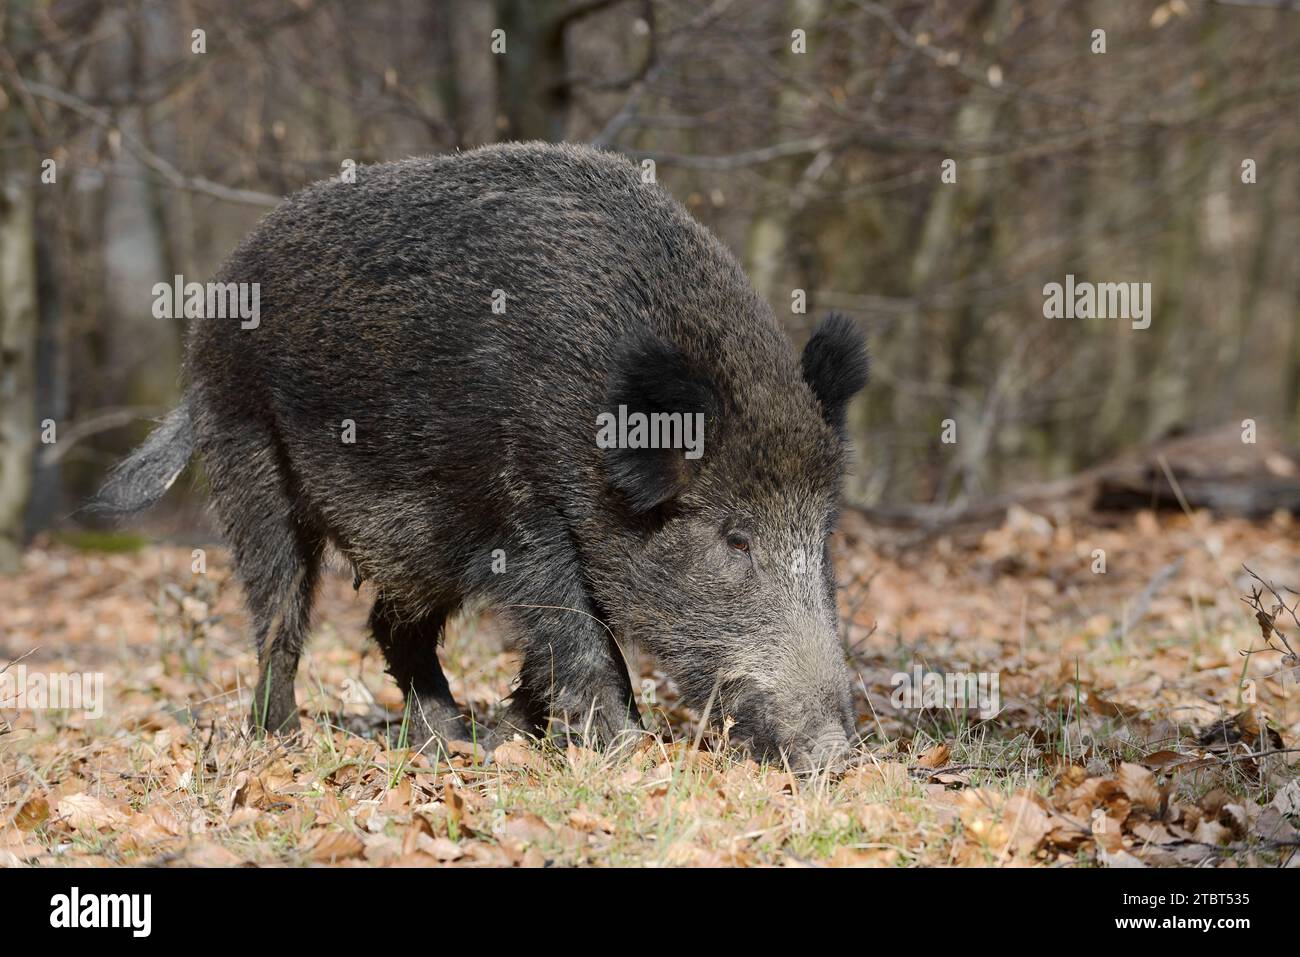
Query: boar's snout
point(806, 742)
point(826, 751)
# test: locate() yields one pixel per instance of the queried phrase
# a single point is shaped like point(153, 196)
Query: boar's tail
point(142, 477)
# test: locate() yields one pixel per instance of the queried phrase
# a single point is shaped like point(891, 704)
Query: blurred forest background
point(821, 169)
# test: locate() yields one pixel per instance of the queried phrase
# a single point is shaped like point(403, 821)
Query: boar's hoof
point(277, 723)
point(429, 729)
point(612, 734)
point(600, 733)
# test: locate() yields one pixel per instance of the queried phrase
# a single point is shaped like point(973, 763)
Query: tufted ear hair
point(836, 366)
point(658, 411)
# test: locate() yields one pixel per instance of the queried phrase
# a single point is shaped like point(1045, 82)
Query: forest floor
point(1136, 727)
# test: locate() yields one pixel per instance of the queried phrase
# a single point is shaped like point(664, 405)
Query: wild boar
point(444, 383)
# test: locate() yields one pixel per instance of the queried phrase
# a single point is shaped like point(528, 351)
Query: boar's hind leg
point(411, 649)
point(276, 554)
point(281, 607)
point(278, 570)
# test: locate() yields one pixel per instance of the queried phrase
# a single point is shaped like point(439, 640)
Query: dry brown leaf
point(1273, 826)
point(587, 822)
point(1162, 760)
point(1213, 802)
point(237, 795)
point(1140, 786)
point(517, 754)
point(935, 757)
point(1110, 709)
point(1287, 800)
point(1029, 823)
point(686, 854)
point(1236, 818)
point(884, 776)
point(526, 828)
point(443, 849)
point(332, 844)
point(660, 778)
point(530, 856)
point(466, 749)
point(961, 779)
point(489, 855)
point(84, 812)
point(1212, 832)
point(1068, 832)
point(1119, 858)
point(244, 815)
point(1107, 832)
point(420, 827)
point(415, 860)
point(166, 819)
point(864, 857)
point(208, 854)
point(1152, 832)
point(454, 801)
point(144, 830)
point(32, 813)
point(398, 798)
point(1103, 793)
point(381, 849)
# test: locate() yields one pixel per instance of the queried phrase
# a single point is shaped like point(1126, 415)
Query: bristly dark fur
point(475, 470)
point(836, 365)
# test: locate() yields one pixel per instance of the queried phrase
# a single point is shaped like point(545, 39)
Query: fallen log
point(1213, 470)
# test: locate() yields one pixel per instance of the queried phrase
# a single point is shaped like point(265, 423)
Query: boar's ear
point(835, 366)
point(654, 376)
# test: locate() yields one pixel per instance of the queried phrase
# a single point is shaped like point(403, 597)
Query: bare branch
point(170, 174)
point(103, 421)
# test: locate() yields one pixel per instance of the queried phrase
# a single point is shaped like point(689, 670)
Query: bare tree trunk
point(18, 328)
point(768, 252)
point(943, 258)
point(51, 392)
point(532, 74)
point(144, 351)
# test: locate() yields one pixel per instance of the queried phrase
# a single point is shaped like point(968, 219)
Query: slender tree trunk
point(18, 335)
point(532, 73)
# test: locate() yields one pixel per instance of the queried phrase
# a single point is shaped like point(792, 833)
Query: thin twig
point(170, 174)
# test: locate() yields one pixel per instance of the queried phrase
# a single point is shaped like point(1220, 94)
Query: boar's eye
point(738, 541)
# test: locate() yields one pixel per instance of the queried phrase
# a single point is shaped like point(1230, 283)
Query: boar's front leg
point(573, 677)
point(410, 647)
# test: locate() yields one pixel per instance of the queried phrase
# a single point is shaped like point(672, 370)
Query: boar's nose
point(827, 751)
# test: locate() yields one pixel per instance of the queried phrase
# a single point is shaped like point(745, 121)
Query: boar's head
point(728, 580)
